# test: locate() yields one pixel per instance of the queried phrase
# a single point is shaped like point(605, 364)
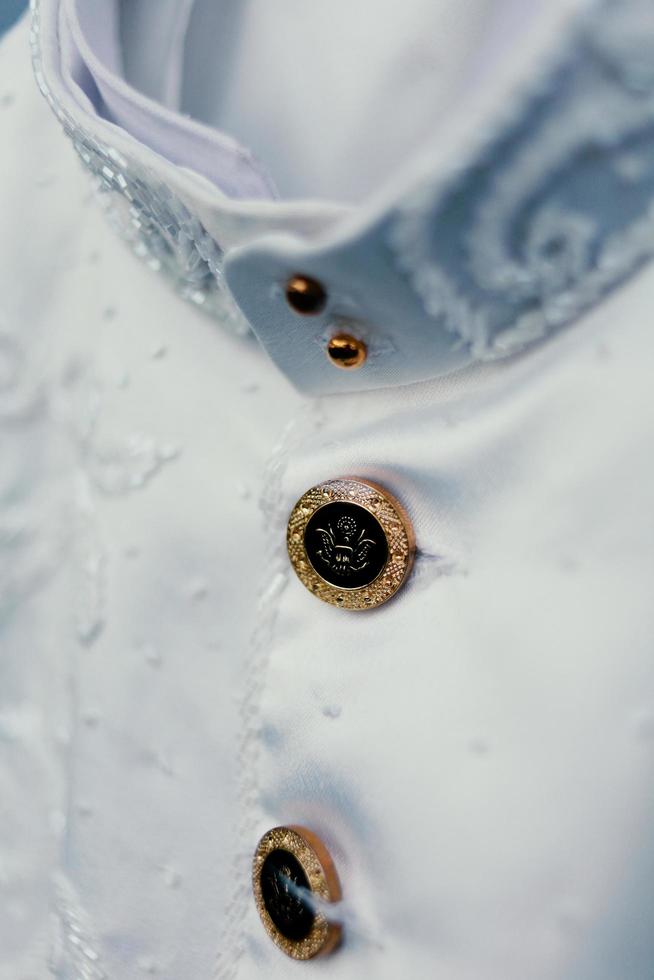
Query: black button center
point(282, 877)
point(346, 545)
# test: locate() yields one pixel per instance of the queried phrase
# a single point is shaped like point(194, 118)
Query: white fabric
point(332, 98)
point(478, 755)
point(93, 32)
point(304, 84)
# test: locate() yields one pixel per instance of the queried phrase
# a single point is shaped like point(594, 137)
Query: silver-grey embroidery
point(154, 222)
point(74, 950)
point(553, 211)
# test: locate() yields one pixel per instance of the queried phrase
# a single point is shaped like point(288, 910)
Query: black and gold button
point(293, 877)
point(350, 543)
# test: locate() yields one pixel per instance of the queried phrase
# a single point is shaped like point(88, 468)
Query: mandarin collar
point(527, 208)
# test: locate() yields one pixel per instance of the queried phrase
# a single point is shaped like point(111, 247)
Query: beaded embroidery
point(147, 214)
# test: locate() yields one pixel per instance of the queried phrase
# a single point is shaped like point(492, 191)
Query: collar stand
point(516, 234)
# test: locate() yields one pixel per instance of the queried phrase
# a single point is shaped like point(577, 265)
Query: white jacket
point(477, 754)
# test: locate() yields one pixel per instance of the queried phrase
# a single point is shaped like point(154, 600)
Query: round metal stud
point(305, 295)
point(351, 543)
point(291, 873)
point(345, 351)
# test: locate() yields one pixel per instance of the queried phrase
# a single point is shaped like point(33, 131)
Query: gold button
point(345, 351)
point(350, 543)
point(305, 295)
point(292, 877)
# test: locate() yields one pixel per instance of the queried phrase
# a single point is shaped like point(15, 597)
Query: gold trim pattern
point(394, 522)
point(321, 874)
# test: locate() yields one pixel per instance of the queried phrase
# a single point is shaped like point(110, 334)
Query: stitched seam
point(261, 641)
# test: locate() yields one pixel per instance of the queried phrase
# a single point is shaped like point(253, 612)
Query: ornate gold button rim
point(317, 864)
point(394, 522)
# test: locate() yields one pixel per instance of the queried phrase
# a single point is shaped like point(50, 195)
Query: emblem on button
point(350, 543)
point(293, 876)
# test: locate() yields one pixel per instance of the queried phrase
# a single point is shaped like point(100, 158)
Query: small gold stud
point(305, 295)
point(345, 351)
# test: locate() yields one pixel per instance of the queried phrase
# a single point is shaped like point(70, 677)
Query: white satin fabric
point(478, 755)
